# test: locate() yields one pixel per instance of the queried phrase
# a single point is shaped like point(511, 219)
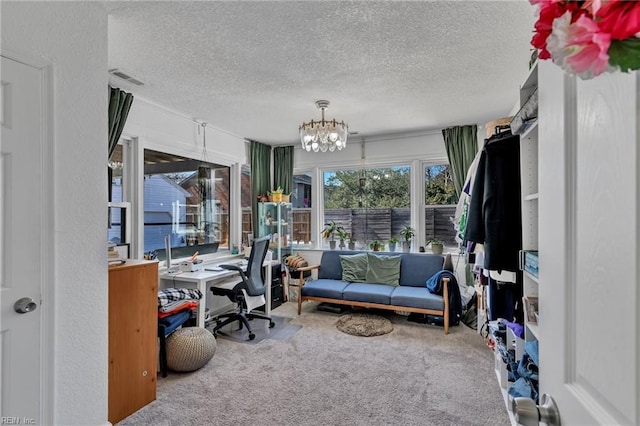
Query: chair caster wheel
point(252, 336)
point(272, 324)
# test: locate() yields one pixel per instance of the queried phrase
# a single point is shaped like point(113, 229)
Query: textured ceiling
point(255, 69)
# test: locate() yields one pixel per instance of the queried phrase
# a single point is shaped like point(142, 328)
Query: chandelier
point(323, 135)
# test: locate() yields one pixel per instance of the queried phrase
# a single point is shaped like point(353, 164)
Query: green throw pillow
point(354, 267)
point(383, 270)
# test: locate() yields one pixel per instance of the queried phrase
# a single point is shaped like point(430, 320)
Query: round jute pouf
point(364, 325)
point(190, 348)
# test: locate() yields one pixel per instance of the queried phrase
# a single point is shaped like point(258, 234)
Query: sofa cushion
point(324, 288)
point(354, 267)
point(416, 269)
point(364, 292)
point(330, 266)
point(383, 269)
point(416, 297)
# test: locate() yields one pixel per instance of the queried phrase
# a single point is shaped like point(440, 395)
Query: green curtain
point(260, 158)
point(283, 168)
point(461, 143)
point(119, 106)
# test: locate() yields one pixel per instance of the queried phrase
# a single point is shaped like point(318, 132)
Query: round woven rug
point(364, 325)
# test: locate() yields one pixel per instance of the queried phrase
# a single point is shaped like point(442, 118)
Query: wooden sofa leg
point(300, 284)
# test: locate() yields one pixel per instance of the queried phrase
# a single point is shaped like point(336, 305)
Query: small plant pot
point(285, 198)
point(437, 248)
point(332, 245)
point(342, 246)
point(392, 246)
point(406, 247)
point(276, 198)
point(352, 246)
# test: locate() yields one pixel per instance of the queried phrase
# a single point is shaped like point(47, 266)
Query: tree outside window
point(369, 204)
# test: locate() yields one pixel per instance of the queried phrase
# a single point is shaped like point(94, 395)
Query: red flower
point(619, 18)
point(549, 11)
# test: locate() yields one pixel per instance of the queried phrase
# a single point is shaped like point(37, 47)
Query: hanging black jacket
point(494, 217)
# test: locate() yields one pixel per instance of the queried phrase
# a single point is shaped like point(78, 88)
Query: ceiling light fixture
point(323, 135)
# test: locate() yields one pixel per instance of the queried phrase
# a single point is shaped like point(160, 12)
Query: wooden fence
point(373, 224)
point(382, 224)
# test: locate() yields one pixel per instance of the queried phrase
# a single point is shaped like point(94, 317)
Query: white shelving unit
point(530, 196)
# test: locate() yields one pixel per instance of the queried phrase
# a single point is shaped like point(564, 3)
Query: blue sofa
point(411, 295)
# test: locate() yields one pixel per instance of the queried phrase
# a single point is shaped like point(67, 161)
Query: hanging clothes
point(494, 218)
point(462, 208)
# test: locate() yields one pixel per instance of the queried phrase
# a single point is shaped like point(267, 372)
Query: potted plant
point(407, 233)
point(329, 232)
point(352, 242)
point(276, 195)
point(437, 245)
point(375, 245)
point(342, 235)
point(392, 243)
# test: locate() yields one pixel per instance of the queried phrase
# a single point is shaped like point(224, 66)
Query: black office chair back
point(255, 284)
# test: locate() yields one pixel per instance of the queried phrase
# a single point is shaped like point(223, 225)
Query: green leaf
point(625, 54)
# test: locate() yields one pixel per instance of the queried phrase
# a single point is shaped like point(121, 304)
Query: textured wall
point(72, 38)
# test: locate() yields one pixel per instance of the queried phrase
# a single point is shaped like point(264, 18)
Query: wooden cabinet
point(133, 331)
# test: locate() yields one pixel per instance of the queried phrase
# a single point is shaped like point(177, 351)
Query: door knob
point(24, 305)
point(527, 413)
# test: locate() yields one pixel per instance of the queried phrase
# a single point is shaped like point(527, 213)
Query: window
point(117, 224)
point(188, 200)
point(245, 195)
point(440, 201)
point(116, 166)
point(301, 202)
point(370, 204)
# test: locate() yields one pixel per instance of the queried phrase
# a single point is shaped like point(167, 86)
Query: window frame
point(423, 203)
point(318, 185)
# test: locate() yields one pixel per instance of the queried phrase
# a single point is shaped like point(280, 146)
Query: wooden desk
point(133, 333)
point(202, 278)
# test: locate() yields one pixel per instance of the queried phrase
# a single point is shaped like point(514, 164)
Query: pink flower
point(580, 47)
point(548, 11)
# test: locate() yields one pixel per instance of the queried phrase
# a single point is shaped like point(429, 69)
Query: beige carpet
point(414, 375)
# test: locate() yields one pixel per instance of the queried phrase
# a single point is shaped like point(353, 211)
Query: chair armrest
point(307, 268)
point(236, 268)
point(231, 267)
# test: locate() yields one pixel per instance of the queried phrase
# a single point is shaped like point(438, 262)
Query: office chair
point(248, 293)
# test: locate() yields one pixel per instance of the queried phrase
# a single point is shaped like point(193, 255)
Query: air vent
point(123, 75)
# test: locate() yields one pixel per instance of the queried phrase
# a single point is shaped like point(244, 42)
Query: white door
point(20, 241)
point(589, 242)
